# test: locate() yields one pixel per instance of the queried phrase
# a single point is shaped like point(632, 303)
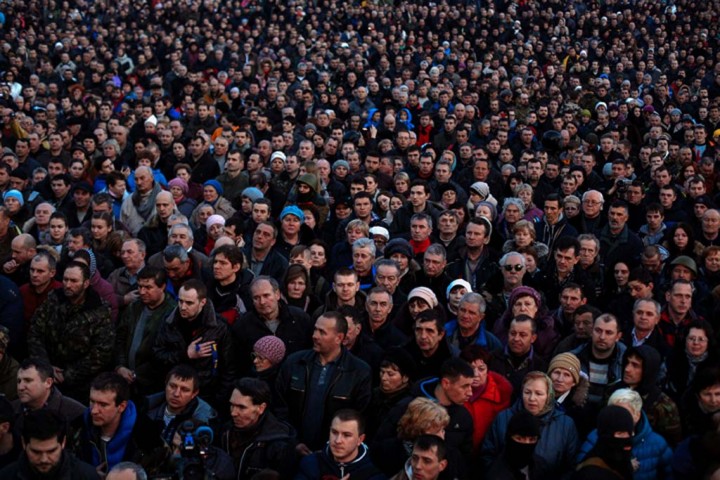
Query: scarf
point(145, 204)
point(420, 247)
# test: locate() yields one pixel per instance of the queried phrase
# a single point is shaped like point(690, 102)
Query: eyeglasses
point(510, 268)
point(697, 339)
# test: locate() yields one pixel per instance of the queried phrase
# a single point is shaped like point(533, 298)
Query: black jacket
point(70, 468)
point(271, 443)
point(217, 371)
point(323, 465)
point(349, 387)
point(295, 330)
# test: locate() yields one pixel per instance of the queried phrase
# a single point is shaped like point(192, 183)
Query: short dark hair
point(198, 286)
point(454, 368)
point(43, 367)
point(231, 252)
point(566, 243)
point(82, 232)
point(341, 325)
point(83, 268)
point(258, 390)
point(427, 443)
point(432, 315)
point(112, 382)
point(43, 424)
point(184, 372)
point(158, 275)
point(350, 415)
point(474, 352)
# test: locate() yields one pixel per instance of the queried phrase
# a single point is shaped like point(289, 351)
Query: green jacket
point(149, 373)
point(76, 338)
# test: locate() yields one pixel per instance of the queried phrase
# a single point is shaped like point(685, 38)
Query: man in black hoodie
point(641, 368)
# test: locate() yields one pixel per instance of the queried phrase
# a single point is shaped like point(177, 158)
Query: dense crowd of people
point(360, 240)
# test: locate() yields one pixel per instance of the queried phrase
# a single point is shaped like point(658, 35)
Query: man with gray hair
point(363, 252)
point(591, 219)
point(433, 274)
point(126, 471)
point(643, 331)
point(469, 328)
point(140, 206)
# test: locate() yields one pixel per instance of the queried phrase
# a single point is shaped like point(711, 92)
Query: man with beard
point(44, 456)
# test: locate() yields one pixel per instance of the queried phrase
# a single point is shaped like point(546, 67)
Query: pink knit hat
point(270, 347)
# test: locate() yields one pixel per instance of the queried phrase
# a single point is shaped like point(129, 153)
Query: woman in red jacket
point(491, 392)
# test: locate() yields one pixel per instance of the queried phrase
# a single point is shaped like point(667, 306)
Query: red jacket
point(484, 408)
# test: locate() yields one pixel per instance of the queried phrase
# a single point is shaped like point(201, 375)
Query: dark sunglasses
point(510, 268)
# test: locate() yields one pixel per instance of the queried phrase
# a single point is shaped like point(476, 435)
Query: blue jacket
point(556, 448)
point(649, 449)
point(484, 338)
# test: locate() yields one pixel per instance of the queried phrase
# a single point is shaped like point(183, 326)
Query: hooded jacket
point(648, 448)
point(661, 411)
point(323, 465)
point(485, 406)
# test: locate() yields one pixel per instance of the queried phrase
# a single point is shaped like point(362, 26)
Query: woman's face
point(317, 256)
point(480, 373)
point(530, 263)
point(277, 166)
point(290, 225)
point(712, 262)
point(622, 273)
point(395, 204)
point(523, 238)
point(76, 170)
point(680, 238)
point(58, 230)
point(296, 288)
point(401, 186)
point(417, 306)
point(216, 231)
point(562, 380)
point(571, 210)
point(525, 196)
point(484, 211)
point(535, 396)
point(184, 174)
point(99, 229)
point(696, 342)
point(178, 151)
point(525, 305)
point(383, 202)
point(456, 295)
point(12, 204)
point(512, 214)
point(391, 380)
point(310, 220)
point(710, 398)
point(210, 194)
point(261, 363)
point(176, 192)
point(204, 214)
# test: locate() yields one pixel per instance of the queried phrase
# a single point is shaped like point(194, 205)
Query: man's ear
point(443, 465)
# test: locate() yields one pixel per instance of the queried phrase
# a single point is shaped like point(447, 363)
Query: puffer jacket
point(651, 451)
point(485, 406)
point(556, 448)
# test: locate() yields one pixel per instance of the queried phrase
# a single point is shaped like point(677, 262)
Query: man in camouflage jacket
point(74, 332)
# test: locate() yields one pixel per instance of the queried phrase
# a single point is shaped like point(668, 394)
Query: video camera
point(194, 451)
